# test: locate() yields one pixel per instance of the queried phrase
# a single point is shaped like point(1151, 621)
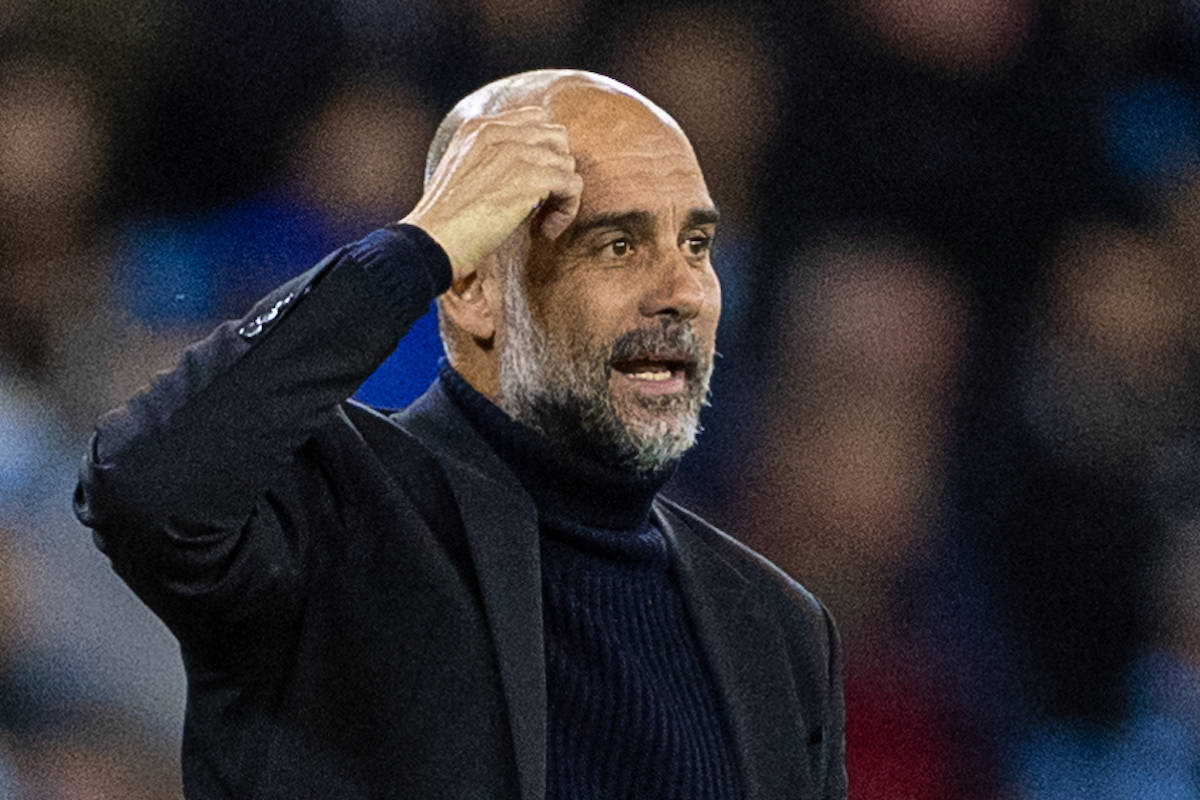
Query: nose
point(676, 289)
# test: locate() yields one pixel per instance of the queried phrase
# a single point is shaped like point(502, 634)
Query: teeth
point(652, 375)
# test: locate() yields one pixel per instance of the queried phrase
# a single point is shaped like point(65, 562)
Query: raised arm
point(200, 489)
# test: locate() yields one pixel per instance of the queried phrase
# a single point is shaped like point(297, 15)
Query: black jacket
point(357, 596)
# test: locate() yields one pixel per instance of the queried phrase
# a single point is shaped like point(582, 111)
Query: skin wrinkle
point(638, 220)
point(563, 390)
point(569, 308)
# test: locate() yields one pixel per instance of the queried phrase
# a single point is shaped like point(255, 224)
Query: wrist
point(438, 235)
point(413, 245)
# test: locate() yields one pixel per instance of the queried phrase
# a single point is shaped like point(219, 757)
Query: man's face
point(608, 332)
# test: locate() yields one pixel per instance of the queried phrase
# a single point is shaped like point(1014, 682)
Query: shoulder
point(367, 452)
point(771, 586)
point(400, 446)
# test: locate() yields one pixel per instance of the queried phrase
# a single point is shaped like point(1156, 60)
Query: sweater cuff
point(405, 260)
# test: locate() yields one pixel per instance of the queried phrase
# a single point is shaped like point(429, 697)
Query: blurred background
point(961, 340)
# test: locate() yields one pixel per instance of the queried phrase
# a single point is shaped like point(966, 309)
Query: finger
point(539, 185)
point(536, 156)
point(545, 134)
point(521, 113)
point(472, 128)
point(525, 173)
point(561, 208)
point(511, 115)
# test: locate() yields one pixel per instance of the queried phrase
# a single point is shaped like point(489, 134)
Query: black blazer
point(357, 597)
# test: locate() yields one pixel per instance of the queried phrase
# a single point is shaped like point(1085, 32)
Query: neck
point(477, 368)
point(564, 482)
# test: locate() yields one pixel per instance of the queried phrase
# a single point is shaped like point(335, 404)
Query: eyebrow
point(702, 216)
point(638, 221)
point(635, 221)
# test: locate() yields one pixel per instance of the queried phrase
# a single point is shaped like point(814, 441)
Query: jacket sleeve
point(179, 483)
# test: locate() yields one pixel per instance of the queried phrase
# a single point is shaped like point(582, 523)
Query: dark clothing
point(358, 598)
point(632, 709)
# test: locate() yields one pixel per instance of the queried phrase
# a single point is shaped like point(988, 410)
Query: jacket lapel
point(500, 521)
point(744, 646)
point(749, 660)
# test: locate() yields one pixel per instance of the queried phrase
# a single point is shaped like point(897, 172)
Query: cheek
point(566, 316)
point(607, 307)
point(599, 308)
point(711, 314)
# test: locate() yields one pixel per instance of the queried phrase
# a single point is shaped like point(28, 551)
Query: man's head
point(603, 338)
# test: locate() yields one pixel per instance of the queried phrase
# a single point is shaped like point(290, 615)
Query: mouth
point(665, 374)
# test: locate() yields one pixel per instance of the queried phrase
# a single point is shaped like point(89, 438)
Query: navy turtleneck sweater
point(633, 711)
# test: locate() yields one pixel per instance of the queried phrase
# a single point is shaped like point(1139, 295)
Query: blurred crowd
point(961, 336)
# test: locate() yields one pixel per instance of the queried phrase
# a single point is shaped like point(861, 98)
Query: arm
point(175, 483)
point(203, 489)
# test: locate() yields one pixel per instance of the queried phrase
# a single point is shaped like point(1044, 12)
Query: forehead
point(634, 181)
point(629, 155)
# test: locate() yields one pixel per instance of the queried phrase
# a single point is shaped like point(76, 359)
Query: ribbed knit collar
point(570, 486)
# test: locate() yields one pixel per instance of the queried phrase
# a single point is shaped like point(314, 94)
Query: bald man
point(484, 595)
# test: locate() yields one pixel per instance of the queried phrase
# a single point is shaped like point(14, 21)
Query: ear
point(473, 302)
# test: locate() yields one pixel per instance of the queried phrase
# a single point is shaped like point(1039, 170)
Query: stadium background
point(958, 396)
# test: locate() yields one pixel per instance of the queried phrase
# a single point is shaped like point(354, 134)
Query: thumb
point(560, 209)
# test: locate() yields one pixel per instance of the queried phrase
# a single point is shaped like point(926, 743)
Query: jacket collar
point(745, 648)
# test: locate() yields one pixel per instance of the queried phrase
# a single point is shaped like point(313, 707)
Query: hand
point(497, 171)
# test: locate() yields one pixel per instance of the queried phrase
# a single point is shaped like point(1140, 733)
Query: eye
point(618, 248)
point(698, 244)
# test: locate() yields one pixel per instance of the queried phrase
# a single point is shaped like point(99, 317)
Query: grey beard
point(561, 389)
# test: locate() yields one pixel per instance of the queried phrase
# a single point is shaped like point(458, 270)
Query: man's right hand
point(496, 171)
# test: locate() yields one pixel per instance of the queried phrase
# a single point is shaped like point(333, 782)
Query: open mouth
point(656, 373)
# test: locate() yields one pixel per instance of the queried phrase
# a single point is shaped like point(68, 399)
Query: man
point(482, 596)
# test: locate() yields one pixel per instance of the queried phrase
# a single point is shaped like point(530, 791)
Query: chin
point(658, 441)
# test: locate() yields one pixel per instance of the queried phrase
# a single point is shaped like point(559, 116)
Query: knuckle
point(471, 124)
point(467, 139)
